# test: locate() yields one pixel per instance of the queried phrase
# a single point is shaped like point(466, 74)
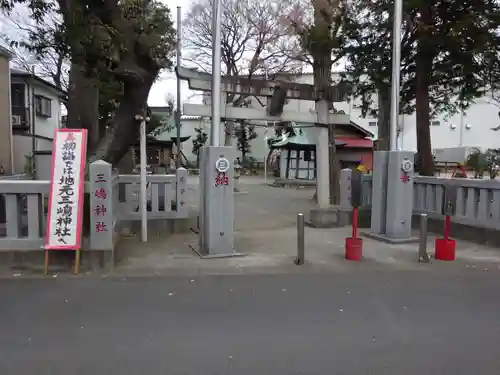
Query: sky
point(167, 82)
point(164, 86)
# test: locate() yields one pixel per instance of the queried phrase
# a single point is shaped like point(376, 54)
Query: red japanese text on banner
point(64, 223)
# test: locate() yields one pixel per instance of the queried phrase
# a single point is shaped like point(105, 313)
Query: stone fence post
point(345, 189)
point(101, 206)
point(181, 193)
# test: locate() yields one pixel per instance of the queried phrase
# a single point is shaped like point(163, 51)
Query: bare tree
point(253, 41)
point(37, 46)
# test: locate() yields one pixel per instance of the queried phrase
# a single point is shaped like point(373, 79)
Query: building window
point(17, 95)
point(19, 111)
point(43, 106)
point(372, 123)
point(435, 123)
point(307, 155)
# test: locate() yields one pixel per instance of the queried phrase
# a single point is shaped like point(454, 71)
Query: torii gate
point(277, 91)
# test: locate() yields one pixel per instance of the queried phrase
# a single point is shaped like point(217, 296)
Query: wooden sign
point(64, 222)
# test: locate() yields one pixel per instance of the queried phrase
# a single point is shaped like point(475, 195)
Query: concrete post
point(101, 206)
point(322, 156)
point(399, 195)
point(392, 197)
point(181, 193)
point(345, 189)
point(422, 248)
point(379, 192)
point(300, 240)
point(217, 202)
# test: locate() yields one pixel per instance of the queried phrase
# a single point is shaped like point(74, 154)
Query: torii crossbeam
point(254, 114)
point(260, 87)
point(257, 87)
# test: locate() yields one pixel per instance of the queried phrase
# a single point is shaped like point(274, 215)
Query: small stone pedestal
point(330, 217)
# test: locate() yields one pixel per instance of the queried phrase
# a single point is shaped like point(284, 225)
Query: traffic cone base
point(353, 248)
point(445, 249)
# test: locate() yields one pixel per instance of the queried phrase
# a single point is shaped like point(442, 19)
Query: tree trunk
point(124, 128)
point(424, 61)
point(384, 118)
point(83, 105)
point(243, 152)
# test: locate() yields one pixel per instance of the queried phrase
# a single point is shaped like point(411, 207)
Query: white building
point(36, 114)
point(258, 146)
point(471, 129)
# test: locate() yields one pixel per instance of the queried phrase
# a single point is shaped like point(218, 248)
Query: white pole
point(461, 133)
point(143, 193)
point(265, 138)
point(265, 158)
point(216, 73)
point(396, 74)
point(178, 111)
point(402, 133)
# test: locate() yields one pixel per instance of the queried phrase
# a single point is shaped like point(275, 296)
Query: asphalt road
point(404, 323)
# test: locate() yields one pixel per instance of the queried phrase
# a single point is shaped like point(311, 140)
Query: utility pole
point(216, 169)
point(178, 110)
point(216, 73)
point(393, 170)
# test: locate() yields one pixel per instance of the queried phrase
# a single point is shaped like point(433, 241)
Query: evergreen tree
point(116, 50)
point(244, 132)
point(198, 142)
point(443, 49)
